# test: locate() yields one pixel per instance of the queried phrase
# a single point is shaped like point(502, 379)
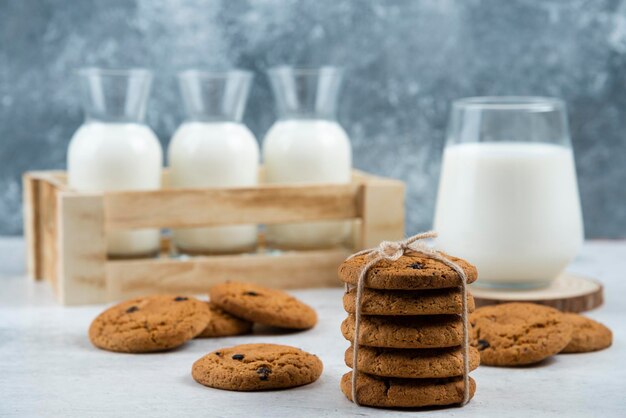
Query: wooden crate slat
point(381, 212)
point(298, 269)
point(32, 226)
point(56, 178)
point(41, 223)
point(82, 264)
point(49, 222)
point(180, 208)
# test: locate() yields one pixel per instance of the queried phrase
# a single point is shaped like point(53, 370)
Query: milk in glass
point(508, 197)
point(510, 208)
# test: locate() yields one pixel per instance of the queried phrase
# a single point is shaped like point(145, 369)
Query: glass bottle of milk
point(508, 197)
point(307, 145)
point(212, 148)
point(114, 149)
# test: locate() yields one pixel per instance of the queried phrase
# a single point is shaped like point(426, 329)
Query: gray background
point(405, 59)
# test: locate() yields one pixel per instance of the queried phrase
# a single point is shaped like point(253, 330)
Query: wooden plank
point(297, 269)
point(82, 261)
point(381, 208)
point(32, 226)
point(268, 204)
point(49, 222)
point(56, 178)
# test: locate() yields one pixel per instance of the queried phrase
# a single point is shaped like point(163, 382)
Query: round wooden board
point(568, 293)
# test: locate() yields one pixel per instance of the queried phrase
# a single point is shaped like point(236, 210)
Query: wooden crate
point(66, 234)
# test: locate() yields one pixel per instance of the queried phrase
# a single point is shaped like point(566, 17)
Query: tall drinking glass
point(508, 197)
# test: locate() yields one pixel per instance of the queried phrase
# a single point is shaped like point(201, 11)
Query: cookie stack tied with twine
point(408, 309)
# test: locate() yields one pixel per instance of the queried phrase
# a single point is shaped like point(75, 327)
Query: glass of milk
point(212, 148)
point(307, 145)
point(114, 149)
point(508, 197)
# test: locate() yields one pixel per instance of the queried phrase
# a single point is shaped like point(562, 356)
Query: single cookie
point(414, 364)
point(251, 367)
point(223, 324)
point(412, 271)
point(514, 334)
point(153, 323)
point(405, 393)
point(406, 331)
point(406, 302)
point(265, 306)
point(587, 334)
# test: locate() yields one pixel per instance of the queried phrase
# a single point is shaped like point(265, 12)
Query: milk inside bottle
point(307, 145)
point(114, 149)
point(212, 148)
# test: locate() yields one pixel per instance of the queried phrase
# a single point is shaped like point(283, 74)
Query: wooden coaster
point(568, 293)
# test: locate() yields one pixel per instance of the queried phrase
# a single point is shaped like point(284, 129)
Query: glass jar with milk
point(114, 149)
point(508, 197)
point(307, 145)
point(212, 148)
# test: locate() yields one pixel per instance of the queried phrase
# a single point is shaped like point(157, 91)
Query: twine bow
point(392, 251)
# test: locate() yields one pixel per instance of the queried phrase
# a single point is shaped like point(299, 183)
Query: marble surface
point(405, 62)
point(48, 368)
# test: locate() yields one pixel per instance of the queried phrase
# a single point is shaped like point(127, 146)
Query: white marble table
point(49, 368)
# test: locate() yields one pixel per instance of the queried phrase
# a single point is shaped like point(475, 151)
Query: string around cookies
point(392, 251)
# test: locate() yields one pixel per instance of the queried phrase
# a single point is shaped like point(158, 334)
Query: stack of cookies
point(410, 340)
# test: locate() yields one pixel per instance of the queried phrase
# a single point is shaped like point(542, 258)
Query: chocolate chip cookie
point(406, 331)
point(406, 363)
point(406, 302)
point(251, 367)
point(405, 393)
point(587, 334)
point(515, 334)
point(412, 271)
point(223, 324)
point(152, 323)
point(262, 305)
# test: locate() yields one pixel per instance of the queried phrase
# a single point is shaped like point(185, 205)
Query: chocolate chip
point(132, 309)
point(237, 356)
point(263, 372)
point(218, 353)
point(180, 298)
point(251, 294)
point(387, 385)
point(417, 266)
point(482, 344)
